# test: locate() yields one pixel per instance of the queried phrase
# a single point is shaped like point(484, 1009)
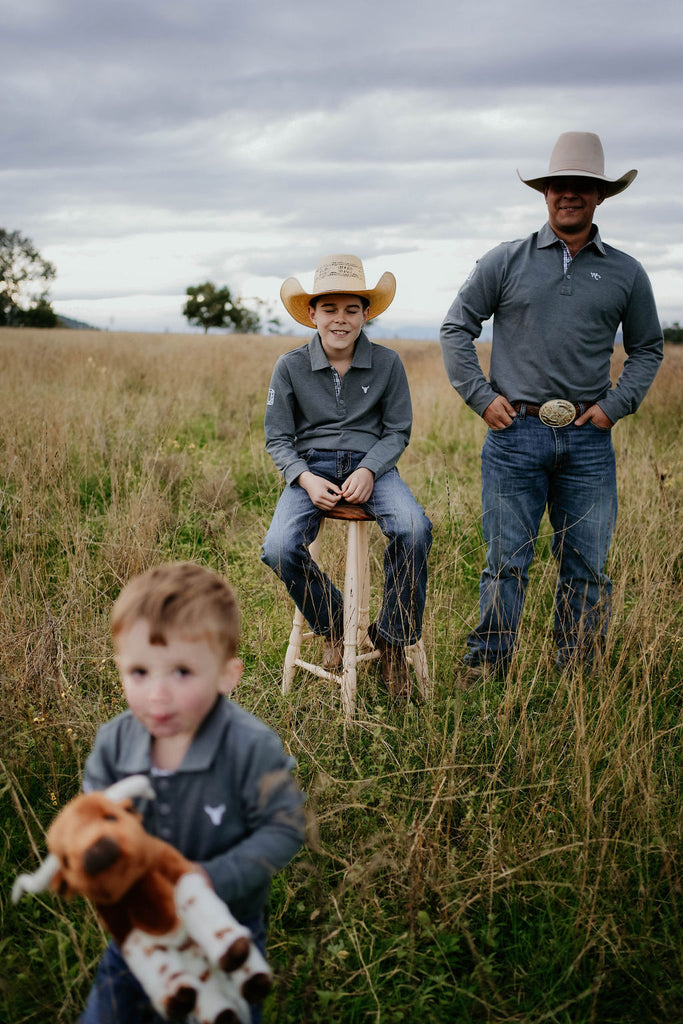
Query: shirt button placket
point(164, 809)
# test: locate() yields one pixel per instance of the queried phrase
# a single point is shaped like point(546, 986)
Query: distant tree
point(244, 321)
point(24, 280)
point(40, 315)
point(270, 323)
point(209, 306)
point(674, 333)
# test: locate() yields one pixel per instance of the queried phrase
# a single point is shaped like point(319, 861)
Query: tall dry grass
point(505, 854)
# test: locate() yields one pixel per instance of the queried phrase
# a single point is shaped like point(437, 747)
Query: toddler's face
point(171, 688)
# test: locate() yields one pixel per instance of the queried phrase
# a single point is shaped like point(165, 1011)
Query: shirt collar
point(137, 757)
point(362, 357)
point(547, 237)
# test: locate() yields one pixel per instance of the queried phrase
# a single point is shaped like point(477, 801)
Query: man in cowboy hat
point(557, 299)
point(338, 416)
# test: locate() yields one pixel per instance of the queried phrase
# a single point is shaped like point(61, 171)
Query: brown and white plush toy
point(177, 936)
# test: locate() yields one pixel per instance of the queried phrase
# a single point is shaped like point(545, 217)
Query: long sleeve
point(644, 347)
point(272, 811)
point(280, 424)
point(475, 303)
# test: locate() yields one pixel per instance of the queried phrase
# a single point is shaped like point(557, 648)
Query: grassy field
point(505, 854)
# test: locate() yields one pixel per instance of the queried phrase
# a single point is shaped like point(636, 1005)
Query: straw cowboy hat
point(580, 155)
point(337, 274)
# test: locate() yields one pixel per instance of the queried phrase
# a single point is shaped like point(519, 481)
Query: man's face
point(571, 204)
point(339, 319)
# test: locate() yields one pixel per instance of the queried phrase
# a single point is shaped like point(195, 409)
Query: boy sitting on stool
point(338, 417)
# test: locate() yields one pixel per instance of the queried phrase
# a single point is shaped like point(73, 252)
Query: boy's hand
point(322, 493)
point(358, 487)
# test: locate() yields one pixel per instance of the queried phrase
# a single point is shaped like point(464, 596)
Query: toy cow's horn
point(39, 881)
point(132, 786)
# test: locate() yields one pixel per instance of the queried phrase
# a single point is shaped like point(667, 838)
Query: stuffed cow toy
point(177, 936)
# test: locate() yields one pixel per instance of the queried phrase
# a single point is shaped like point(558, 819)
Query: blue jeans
point(570, 470)
point(296, 522)
point(116, 996)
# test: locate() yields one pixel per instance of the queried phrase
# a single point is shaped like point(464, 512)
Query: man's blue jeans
point(295, 525)
point(570, 470)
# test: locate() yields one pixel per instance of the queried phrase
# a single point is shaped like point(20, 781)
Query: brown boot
point(333, 654)
point(394, 669)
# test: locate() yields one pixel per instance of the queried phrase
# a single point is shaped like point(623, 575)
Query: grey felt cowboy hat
point(580, 155)
point(337, 275)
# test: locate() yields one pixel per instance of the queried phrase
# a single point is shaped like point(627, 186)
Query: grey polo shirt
point(554, 330)
point(372, 412)
point(232, 806)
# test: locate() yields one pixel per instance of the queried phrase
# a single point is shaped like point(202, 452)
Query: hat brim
point(296, 301)
point(612, 186)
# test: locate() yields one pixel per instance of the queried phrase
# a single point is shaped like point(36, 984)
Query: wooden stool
point(356, 615)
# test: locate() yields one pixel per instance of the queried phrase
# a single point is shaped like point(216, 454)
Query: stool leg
point(293, 651)
point(364, 586)
point(351, 596)
point(298, 625)
point(417, 657)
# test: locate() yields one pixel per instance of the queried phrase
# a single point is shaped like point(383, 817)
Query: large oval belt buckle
point(558, 412)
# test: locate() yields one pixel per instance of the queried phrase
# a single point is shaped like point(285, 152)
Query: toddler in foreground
point(225, 795)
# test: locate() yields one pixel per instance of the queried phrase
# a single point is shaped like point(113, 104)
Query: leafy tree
point(40, 315)
point(209, 306)
point(674, 333)
point(24, 280)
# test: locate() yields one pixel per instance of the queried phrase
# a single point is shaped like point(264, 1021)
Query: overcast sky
point(148, 145)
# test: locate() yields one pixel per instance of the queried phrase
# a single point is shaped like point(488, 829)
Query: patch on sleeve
point(271, 397)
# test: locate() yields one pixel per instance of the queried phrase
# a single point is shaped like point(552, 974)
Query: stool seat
point(356, 614)
point(346, 512)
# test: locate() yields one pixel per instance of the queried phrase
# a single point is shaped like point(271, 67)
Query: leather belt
point(558, 412)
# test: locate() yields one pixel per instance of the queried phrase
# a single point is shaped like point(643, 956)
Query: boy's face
point(171, 688)
point(339, 319)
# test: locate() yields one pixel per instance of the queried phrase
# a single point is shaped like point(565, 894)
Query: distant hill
point(75, 325)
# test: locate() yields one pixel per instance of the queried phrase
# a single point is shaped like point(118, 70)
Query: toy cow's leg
point(162, 974)
point(218, 998)
point(216, 1005)
point(209, 922)
point(254, 978)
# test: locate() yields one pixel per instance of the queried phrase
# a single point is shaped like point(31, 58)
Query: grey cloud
point(372, 132)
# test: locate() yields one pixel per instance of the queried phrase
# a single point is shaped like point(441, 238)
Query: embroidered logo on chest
point(365, 388)
point(215, 813)
point(595, 275)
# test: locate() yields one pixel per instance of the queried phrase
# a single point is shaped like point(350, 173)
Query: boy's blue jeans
point(116, 997)
point(570, 470)
point(401, 519)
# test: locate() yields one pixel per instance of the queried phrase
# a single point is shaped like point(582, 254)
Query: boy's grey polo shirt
point(232, 806)
point(371, 414)
point(554, 332)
